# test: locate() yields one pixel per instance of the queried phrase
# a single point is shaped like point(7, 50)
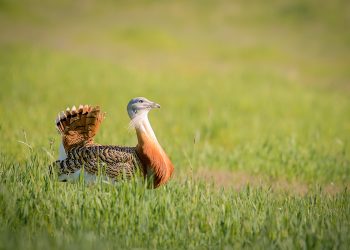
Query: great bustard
point(78, 150)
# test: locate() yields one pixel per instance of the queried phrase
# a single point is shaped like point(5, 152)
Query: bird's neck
point(156, 163)
point(144, 126)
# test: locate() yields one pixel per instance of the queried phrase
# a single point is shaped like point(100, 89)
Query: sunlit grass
point(184, 214)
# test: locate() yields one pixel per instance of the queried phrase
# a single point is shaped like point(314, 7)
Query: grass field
point(255, 116)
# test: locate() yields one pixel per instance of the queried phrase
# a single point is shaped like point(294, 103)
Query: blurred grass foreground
point(255, 117)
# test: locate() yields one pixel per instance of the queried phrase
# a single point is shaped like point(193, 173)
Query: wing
point(79, 126)
point(113, 160)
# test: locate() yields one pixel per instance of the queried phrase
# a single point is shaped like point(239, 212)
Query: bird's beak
point(155, 105)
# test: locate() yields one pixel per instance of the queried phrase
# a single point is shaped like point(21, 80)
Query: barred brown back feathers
point(79, 126)
point(116, 160)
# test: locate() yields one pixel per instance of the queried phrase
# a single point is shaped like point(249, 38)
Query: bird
point(78, 151)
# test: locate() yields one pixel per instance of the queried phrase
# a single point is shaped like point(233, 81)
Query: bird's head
point(140, 106)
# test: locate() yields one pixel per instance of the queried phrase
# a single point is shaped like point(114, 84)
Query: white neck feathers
point(141, 123)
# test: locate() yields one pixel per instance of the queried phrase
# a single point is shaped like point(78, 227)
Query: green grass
point(255, 88)
point(180, 215)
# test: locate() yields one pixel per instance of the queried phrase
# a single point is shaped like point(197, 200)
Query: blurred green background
point(254, 87)
point(255, 98)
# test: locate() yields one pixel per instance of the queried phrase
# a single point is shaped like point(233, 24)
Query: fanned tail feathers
point(79, 126)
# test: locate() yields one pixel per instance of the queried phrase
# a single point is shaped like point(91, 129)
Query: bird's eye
point(140, 101)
